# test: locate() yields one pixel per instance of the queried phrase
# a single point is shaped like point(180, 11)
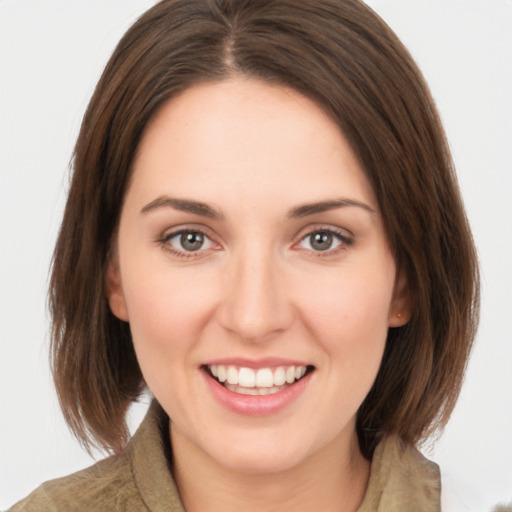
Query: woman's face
point(250, 250)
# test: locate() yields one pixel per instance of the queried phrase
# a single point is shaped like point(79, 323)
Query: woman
point(265, 230)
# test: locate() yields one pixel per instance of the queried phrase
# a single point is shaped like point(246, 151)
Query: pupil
point(321, 241)
point(192, 241)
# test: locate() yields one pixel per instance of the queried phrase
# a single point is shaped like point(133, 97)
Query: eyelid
point(346, 238)
point(169, 233)
point(205, 239)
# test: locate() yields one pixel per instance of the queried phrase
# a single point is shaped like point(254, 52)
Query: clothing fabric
point(140, 479)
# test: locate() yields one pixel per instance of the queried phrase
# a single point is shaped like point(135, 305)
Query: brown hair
point(344, 57)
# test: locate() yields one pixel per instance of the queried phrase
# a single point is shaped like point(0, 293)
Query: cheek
point(349, 316)
point(166, 312)
point(351, 304)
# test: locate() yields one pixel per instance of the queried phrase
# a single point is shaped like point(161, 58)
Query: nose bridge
point(255, 305)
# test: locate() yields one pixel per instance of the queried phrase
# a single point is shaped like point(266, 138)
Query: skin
point(257, 288)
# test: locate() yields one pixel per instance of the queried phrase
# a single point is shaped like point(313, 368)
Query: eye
point(187, 241)
point(324, 240)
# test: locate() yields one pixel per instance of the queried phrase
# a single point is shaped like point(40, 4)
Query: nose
point(255, 305)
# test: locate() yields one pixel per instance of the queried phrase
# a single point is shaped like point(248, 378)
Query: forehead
point(246, 137)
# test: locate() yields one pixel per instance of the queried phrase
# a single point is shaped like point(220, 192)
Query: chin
point(268, 450)
point(262, 461)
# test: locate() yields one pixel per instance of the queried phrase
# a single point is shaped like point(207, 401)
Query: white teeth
point(247, 377)
point(232, 375)
point(246, 391)
point(279, 377)
point(264, 379)
point(253, 391)
point(221, 373)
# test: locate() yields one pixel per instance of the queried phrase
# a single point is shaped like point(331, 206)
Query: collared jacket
point(140, 479)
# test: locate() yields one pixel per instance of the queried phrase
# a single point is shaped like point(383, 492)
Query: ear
point(400, 311)
point(114, 290)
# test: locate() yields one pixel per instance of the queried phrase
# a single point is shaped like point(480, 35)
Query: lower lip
point(256, 405)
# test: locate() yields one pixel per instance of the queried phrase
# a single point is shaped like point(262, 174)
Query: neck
point(332, 480)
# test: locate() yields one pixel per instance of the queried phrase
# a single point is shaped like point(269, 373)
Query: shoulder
point(137, 479)
point(401, 478)
point(107, 485)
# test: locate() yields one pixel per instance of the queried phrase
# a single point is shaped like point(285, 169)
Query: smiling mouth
point(264, 381)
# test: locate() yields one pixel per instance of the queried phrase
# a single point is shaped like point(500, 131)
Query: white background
point(52, 53)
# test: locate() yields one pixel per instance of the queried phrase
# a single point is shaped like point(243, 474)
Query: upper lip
point(267, 362)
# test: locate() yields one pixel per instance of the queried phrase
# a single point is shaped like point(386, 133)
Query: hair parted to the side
point(343, 56)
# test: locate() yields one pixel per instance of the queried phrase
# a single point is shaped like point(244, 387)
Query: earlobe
point(114, 291)
point(400, 311)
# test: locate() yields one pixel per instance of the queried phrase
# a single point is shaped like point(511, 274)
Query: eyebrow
point(207, 210)
point(324, 206)
point(184, 205)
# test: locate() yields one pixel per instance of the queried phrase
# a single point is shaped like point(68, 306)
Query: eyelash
point(341, 236)
point(182, 254)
